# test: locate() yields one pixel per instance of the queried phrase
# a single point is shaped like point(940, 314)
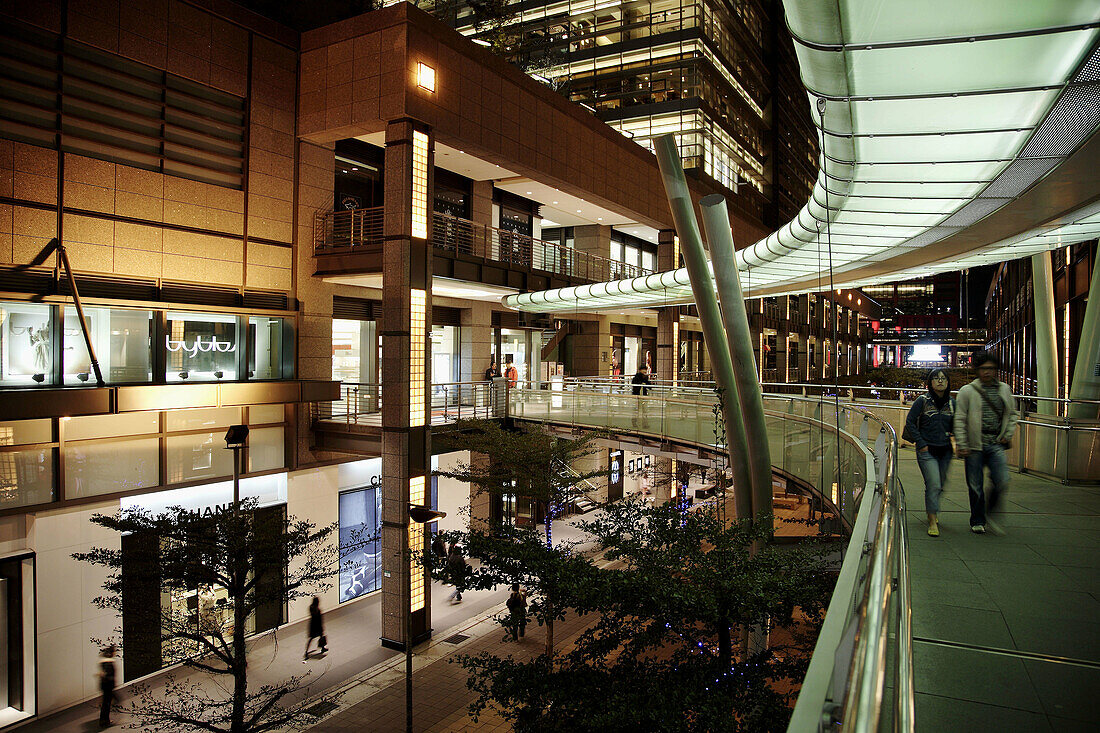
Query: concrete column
point(782, 344)
point(668, 347)
point(592, 348)
point(668, 319)
point(476, 346)
point(1046, 347)
point(481, 203)
point(406, 330)
point(593, 238)
point(1085, 384)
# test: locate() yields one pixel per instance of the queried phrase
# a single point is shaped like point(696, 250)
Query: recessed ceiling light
point(555, 202)
point(528, 193)
point(578, 211)
point(599, 218)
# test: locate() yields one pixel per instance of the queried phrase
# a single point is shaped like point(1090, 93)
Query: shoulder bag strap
point(986, 400)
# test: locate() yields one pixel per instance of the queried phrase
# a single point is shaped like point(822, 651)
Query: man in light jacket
point(985, 420)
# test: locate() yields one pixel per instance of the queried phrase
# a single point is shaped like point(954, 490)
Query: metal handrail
point(336, 231)
point(844, 682)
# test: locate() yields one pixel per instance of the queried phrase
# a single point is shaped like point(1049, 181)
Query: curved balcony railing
point(861, 672)
point(346, 231)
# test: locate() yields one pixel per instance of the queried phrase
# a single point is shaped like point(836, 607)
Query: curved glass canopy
point(932, 117)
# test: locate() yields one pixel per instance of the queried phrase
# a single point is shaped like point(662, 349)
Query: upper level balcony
point(350, 242)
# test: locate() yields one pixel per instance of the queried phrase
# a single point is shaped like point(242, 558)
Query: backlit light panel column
point(416, 548)
point(417, 347)
point(420, 185)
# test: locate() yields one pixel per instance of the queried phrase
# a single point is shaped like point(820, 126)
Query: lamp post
point(235, 439)
point(419, 514)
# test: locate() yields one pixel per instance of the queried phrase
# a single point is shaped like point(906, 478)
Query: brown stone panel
point(42, 15)
point(7, 253)
point(142, 49)
point(32, 230)
point(34, 173)
point(95, 22)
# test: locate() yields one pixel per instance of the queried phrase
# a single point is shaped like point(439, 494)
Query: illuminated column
point(406, 435)
point(1046, 348)
point(668, 319)
point(1086, 375)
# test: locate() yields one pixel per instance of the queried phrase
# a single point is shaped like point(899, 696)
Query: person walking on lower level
point(316, 629)
point(985, 420)
point(929, 424)
point(517, 611)
point(458, 568)
point(106, 685)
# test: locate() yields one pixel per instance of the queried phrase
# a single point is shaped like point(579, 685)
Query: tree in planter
point(528, 462)
point(659, 654)
point(259, 565)
point(557, 580)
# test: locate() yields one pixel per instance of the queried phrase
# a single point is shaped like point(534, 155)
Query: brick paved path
point(440, 696)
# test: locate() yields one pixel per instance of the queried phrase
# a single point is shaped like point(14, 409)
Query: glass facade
point(26, 338)
point(196, 347)
point(360, 542)
point(202, 347)
point(122, 342)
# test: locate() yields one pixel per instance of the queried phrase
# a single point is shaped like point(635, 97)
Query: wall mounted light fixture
point(425, 76)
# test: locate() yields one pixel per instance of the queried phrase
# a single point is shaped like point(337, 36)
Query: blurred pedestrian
point(929, 425)
point(517, 609)
point(106, 677)
point(439, 547)
point(639, 388)
point(316, 629)
point(458, 568)
point(985, 420)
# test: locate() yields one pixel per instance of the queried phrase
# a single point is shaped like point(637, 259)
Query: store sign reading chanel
point(198, 345)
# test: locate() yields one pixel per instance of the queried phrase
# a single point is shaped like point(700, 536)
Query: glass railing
point(860, 675)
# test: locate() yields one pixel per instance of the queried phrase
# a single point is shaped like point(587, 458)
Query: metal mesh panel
point(974, 211)
point(1072, 119)
point(930, 236)
point(1019, 176)
point(1091, 70)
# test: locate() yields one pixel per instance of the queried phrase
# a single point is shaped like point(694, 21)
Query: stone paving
point(1005, 628)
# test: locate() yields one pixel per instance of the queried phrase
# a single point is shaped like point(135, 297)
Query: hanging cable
point(821, 104)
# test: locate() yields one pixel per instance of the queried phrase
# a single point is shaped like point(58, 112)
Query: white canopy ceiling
point(932, 117)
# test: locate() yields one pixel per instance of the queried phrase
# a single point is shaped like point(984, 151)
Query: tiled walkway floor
point(1006, 629)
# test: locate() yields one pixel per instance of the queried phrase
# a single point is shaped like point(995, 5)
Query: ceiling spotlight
point(555, 202)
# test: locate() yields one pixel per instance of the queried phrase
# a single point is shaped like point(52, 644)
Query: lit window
point(420, 186)
point(416, 546)
point(425, 76)
point(417, 317)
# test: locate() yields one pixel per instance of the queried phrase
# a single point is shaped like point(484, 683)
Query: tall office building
point(720, 74)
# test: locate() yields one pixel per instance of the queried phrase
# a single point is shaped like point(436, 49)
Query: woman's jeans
point(934, 471)
point(994, 457)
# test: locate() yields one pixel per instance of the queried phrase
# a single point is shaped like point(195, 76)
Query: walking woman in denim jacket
point(930, 424)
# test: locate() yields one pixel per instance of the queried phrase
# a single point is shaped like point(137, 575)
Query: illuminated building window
point(425, 76)
point(417, 335)
point(416, 546)
point(420, 186)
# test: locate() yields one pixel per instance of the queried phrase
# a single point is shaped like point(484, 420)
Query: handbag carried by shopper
point(1000, 413)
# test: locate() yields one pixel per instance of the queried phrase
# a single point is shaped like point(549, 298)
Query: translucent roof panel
point(926, 106)
point(889, 21)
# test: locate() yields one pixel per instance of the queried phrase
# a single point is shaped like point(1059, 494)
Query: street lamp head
point(421, 514)
point(236, 436)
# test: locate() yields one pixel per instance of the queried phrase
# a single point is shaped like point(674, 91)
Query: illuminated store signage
point(198, 345)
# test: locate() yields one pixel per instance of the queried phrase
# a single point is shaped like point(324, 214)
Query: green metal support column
point(1085, 384)
point(716, 224)
point(695, 260)
point(1046, 348)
